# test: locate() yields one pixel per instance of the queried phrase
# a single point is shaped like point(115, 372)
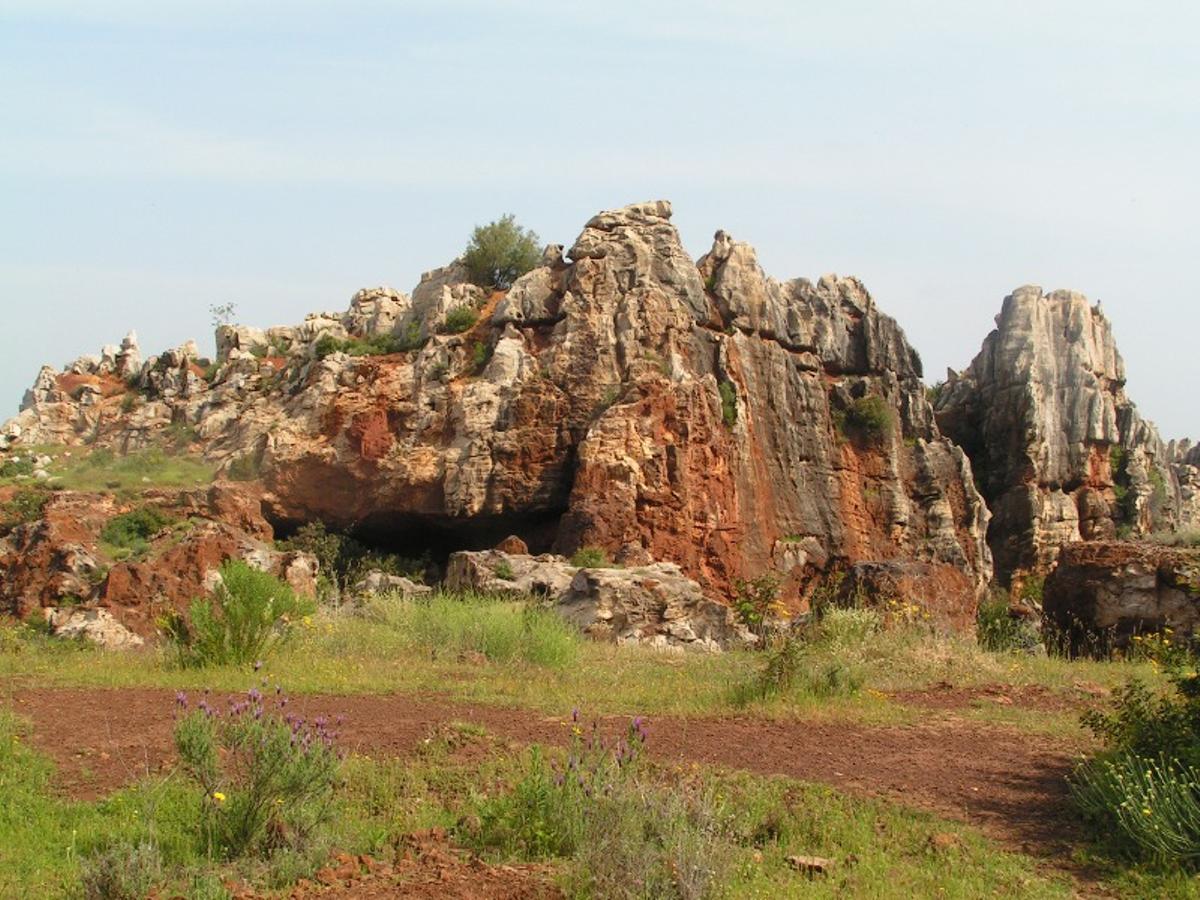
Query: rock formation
point(1058, 450)
point(623, 397)
point(1101, 594)
point(654, 605)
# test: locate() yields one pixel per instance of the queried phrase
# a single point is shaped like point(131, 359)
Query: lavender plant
point(267, 777)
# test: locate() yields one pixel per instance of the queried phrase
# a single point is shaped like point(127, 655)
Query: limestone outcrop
point(1057, 448)
point(654, 605)
point(1102, 594)
point(621, 396)
point(60, 566)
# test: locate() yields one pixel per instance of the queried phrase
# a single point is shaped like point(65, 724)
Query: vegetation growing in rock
point(130, 532)
point(460, 319)
point(501, 252)
point(26, 505)
point(867, 420)
point(375, 345)
point(245, 618)
point(729, 409)
point(590, 558)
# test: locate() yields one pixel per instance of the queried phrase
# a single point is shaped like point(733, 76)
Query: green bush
point(590, 558)
point(729, 409)
point(133, 529)
point(266, 780)
point(459, 319)
point(121, 871)
point(481, 353)
point(12, 468)
point(26, 505)
point(500, 252)
point(756, 601)
point(868, 419)
point(498, 628)
point(998, 630)
point(346, 561)
point(375, 345)
point(1141, 795)
point(245, 618)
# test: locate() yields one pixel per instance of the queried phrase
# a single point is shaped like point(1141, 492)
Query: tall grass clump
point(499, 628)
point(246, 617)
point(623, 832)
point(1141, 795)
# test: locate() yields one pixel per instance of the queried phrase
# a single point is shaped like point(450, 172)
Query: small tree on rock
point(501, 252)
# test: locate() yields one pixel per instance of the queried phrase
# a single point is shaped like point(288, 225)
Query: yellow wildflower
point(218, 796)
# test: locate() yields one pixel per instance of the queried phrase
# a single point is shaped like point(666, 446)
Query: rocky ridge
point(625, 397)
point(1058, 449)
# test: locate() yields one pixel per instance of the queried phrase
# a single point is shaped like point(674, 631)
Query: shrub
point(459, 319)
point(756, 601)
point(625, 834)
point(375, 345)
point(26, 505)
point(499, 628)
point(346, 561)
point(729, 410)
point(243, 620)
point(19, 467)
point(998, 630)
point(122, 871)
point(133, 529)
point(481, 353)
point(500, 252)
point(868, 419)
point(590, 558)
point(266, 779)
point(1142, 794)
point(503, 570)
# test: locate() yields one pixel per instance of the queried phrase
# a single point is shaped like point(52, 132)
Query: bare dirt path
point(1007, 782)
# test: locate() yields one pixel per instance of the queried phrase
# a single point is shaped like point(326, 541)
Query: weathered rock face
point(60, 561)
point(1101, 594)
point(631, 399)
point(1058, 449)
point(655, 605)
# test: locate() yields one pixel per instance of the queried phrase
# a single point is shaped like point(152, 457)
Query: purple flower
point(257, 664)
point(181, 699)
point(575, 714)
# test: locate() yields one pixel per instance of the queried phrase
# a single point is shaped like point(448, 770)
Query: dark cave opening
point(416, 535)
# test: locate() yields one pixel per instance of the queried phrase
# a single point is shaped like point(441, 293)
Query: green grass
point(400, 647)
point(880, 849)
point(497, 629)
point(103, 470)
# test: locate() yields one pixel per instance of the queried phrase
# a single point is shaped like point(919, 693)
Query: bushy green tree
point(501, 252)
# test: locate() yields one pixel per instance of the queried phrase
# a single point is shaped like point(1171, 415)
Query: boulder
point(494, 571)
point(97, 626)
point(1102, 594)
point(654, 605)
point(381, 583)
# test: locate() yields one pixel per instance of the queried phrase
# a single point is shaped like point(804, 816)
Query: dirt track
point(1007, 782)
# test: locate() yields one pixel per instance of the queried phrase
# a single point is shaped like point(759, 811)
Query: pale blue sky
point(157, 157)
